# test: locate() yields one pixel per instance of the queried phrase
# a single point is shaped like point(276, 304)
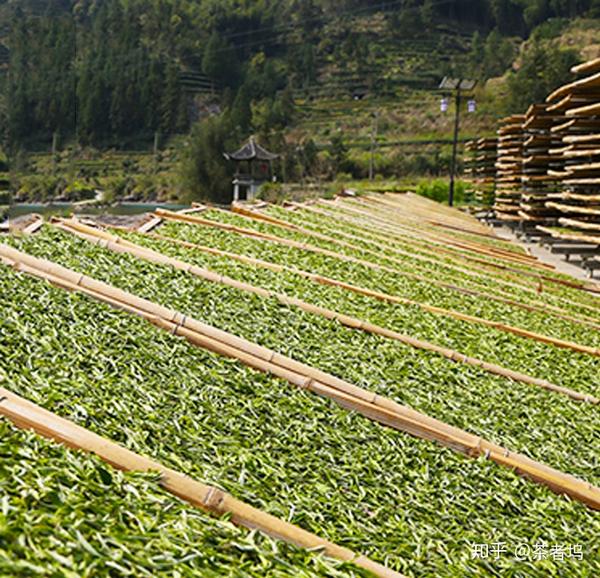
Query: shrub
point(272, 192)
point(438, 190)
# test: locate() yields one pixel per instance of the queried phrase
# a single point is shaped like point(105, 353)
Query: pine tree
point(219, 61)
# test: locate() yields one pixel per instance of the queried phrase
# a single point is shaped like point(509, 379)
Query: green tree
point(339, 153)
point(205, 173)
point(241, 111)
point(428, 13)
point(219, 61)
point(309, 156)
point(508, 16)
point(307, 67)
point(476, 54)
point(544, 67)
point(536, 11)
point(170, 99)
point(498, 54)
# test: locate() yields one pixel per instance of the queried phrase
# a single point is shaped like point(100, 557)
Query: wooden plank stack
point(480, 169)
point(539, 169)
point(509, 167)
point(470, 167)
point(578, 201)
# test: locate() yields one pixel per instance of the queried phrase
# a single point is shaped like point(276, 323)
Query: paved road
point(545, 256)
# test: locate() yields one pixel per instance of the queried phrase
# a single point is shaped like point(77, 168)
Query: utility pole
point(54, 150)
point(373, 141)
point(458, 85)
point(156, 150)
point(454, 146)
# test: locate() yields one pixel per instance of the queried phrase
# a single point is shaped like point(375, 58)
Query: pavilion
point(253, 168)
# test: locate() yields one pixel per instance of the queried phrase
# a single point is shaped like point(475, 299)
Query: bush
point(115, 187)
point(78, 190)
point(438, 190)
point(343, 178)
point(272, 193)
point(550, 29)
point(145, 187)
point(37, 188)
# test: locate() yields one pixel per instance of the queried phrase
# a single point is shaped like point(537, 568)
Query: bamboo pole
point(33, 227)
point(498, 296)
point(153, 312)
point(487, 267)
point(424, 207)
point(469, 232)
point(573, 284)
point(255, 215)
point(520, 285)
point(379, 409)
point(150, 224)
point(347, 395)
point(215, 501)
point(396, 215)
point(540, 275)
point(119, 245)
point(260, 358)
point(413, 211)
point(27, 225)
point(589, 287)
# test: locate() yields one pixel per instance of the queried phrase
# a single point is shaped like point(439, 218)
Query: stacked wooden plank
point(480, 169)
point(487, 154)
point(509, 166)
point(539, 170)
point(470, 165)
point(578, 201)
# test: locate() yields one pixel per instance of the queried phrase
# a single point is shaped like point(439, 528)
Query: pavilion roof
point(251, 150)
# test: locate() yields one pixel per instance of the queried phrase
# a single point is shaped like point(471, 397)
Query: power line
point(339, 14)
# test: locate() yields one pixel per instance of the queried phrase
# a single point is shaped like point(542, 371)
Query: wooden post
point(373, 141)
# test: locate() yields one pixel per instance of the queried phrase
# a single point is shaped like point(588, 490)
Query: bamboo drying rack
point(363, 218)
point(316, 278)
point(120, 245)
point(339, 240)
point(525, 260)
point(515, 274)
point(368, 404)
point(498, 296)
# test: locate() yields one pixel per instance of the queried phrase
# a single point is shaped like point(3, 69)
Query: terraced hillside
point(388, 88)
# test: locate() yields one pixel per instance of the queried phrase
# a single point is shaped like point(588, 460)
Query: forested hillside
point(306, 75)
